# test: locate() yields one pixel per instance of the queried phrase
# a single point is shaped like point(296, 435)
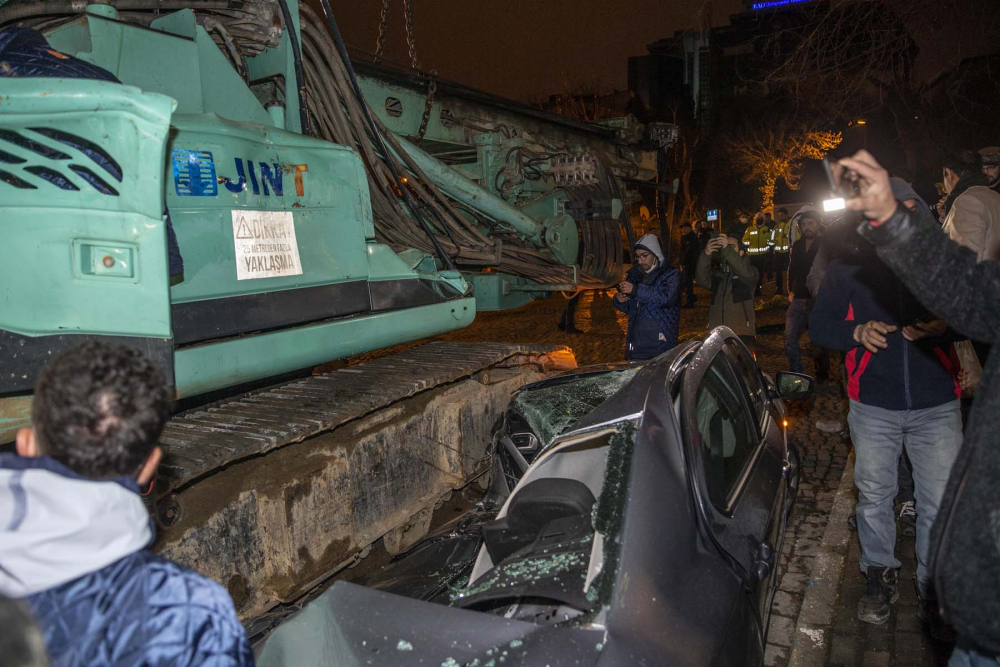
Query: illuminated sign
point(769, 4)
point(712, 215)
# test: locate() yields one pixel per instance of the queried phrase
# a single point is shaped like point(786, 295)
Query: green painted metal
point(52, 275)
point(494, 291)
point(563, 239)
point(332, 216)
point(469, 193)
point(203, 368)
point(99, 267)
point(175, 57)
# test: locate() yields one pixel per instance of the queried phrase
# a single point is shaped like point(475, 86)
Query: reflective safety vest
point(781, 236)
point(757, 240)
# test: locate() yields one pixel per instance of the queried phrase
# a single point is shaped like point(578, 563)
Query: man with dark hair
point(690, 248)
point(991, 167)
point(800, 299)
point(972, 209)
point(903, 394)
point(965, 292)
point(75, 528)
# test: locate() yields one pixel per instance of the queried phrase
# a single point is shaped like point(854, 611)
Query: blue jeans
point(932, 437)
point(969, 657)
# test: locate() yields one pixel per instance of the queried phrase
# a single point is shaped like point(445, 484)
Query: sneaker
point(882, 591)
point(908, 518)
point(930, 615)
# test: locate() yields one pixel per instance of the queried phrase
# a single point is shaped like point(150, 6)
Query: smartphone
point(840, 180)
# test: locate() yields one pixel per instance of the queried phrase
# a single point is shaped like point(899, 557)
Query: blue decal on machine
point(194, 173)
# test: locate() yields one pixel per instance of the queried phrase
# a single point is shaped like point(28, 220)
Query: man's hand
point(716, 244)
point(620, 298)
point(872, 335)
point(876, 199)
point(626, 287)
point(932, 329)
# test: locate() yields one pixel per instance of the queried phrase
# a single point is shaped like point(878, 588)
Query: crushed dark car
point(634, 517)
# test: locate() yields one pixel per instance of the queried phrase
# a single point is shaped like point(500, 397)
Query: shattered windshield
point(551, 410)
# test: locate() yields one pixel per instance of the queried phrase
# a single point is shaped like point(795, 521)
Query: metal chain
point(428, 103)
point(383, 26)
point(410, 42)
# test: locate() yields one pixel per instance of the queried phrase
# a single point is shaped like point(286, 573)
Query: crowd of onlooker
point(909, 296)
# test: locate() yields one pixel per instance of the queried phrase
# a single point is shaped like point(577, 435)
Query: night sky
point(526, 49)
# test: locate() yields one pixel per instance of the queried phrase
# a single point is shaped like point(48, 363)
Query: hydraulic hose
point(342, 50)
point(300, 79)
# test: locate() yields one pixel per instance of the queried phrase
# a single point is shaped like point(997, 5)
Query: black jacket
point(965, 540)
point(690, 247)
point(904, 376)
point(799, 264)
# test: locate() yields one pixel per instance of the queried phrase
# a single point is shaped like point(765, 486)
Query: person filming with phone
point(725, 270)
point(650, 296)
point(903, 393)
point(950, 280)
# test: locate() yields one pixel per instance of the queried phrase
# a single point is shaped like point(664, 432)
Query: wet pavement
point(814, 619)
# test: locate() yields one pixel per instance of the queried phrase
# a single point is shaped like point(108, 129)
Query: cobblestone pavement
point(814, 619)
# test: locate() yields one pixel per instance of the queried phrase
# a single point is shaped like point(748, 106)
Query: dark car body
point(645, 531)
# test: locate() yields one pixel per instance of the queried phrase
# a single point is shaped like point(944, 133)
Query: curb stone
point(814, 628)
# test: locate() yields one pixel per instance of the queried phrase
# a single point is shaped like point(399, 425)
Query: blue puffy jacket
point(653, 313)
point(74, 549)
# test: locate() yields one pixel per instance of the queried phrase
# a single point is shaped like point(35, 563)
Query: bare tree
point(762, 155)
point(586, 100)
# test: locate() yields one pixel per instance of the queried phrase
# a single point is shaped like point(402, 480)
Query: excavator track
point(273, 490)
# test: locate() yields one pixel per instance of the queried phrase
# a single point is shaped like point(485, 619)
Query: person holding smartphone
point(965, 292)
point(725, 270)
point(903, 394)
point(651, 297)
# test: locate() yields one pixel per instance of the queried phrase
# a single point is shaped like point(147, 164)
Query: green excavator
point(322, 207)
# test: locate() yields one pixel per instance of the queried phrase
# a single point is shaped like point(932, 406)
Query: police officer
point(781, 245)
point(757, 240)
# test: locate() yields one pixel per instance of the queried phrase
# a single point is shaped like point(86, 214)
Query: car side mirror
point(793, 386)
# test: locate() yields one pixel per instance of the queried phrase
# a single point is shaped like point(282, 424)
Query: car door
point(736, 478)
point(772, 457)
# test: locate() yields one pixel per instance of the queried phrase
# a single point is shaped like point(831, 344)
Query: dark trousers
point(780, 264)
point(760, 263)
point(688, 278)
point(568, 319)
